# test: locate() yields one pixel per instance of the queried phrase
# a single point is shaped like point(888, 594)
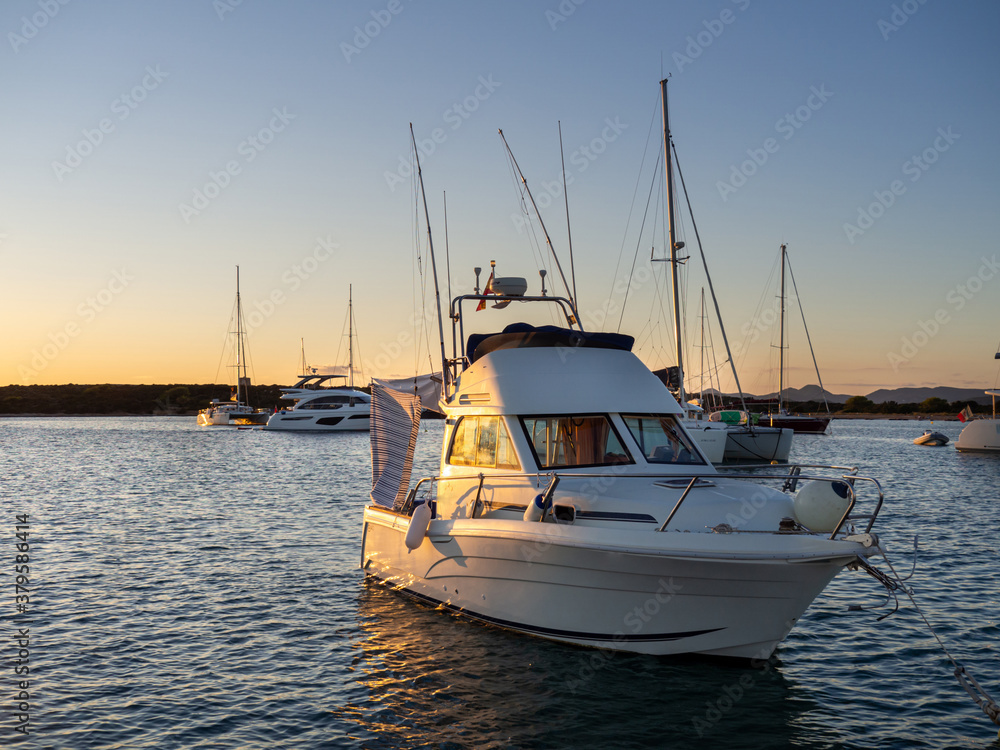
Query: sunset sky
point(150, 148)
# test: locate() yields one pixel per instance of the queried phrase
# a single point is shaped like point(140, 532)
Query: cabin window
point(482, 441)
point(326, 402)
point(662, 439)
point(575, 441)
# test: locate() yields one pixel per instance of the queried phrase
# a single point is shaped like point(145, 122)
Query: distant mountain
point(918, 395)
point(809, 393)
point(899, 395)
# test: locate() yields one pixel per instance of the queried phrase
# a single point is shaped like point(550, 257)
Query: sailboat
point(797, 422)
point(744, 441)
point(982, 435)
point(238, 409)
point(319, 406)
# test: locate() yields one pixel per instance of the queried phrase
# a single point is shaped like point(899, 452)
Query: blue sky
point(877, 121)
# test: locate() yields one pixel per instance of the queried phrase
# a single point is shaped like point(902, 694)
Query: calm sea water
point(199, 588)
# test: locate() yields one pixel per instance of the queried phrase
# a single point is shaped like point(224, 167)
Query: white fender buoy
point(417, 529)
point(534, 510)
point(819, 506)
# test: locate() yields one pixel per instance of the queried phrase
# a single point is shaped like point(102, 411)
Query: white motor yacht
point(982, 435)
point(573, 504)
point(319, 407)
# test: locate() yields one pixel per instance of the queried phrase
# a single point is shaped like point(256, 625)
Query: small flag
point(965, 415)
point(487, 290)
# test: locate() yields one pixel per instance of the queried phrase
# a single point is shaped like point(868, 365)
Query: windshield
point(661, 438)
point(575, 441)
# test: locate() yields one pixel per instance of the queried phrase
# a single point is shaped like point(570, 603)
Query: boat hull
point(711, 439)
point(758, 444)
point(801, 424)
point(645, 592)
point(211, 418)
point(980, 436)
point(298, 421)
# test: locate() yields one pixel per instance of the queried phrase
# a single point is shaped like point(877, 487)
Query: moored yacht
point(745, 442)
point(572, 504)
point(236, 411)
point(982, 435)
point(319, 406)
point(578, 508)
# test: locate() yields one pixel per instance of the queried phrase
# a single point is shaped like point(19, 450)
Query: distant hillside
point(123, 399)
point(881, 396)
point(917, 395)
point(809, 393)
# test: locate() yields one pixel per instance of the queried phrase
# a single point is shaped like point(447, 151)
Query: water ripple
point(198, 588)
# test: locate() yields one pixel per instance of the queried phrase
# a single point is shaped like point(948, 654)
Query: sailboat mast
point(241, 363)
point(350, 335)
point(781, 336)
point(548, 241)
point(701, 382)
point(430, 244)
point(672, 239)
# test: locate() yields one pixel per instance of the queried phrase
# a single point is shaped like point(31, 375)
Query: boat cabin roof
point(556, 378)
point(522, 335)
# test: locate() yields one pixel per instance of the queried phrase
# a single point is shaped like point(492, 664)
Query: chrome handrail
point(555, 477)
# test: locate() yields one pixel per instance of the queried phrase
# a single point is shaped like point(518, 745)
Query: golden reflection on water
point(426, 678)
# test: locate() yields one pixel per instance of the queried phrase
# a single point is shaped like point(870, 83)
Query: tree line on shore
point(142, 400)
point(186, 400)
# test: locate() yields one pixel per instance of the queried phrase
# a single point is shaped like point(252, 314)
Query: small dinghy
point(931, 438)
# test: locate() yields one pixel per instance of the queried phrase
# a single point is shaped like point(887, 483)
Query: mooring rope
point(969, 683)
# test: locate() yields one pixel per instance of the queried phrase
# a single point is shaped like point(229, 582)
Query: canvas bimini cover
point(395, 422)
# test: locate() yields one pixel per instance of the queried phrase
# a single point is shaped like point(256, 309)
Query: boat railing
point(460, 358)
point(848, 477)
